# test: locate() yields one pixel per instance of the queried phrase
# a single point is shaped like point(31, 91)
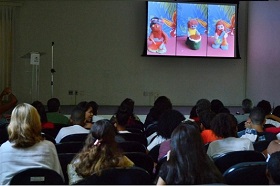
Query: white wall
point(263, 51)
point(97, 51)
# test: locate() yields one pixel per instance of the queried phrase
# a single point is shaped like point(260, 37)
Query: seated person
point(127, 107)
point(120, 122)
point(187, 163)
point(247, 106)
point(99, 152)
point(26, 148)
point(224, 125)
point(6, 105)
point(254, 127)
point(41, 110)
point(87, 107)
point(168, 121)
point(206, 133)
point(273, 169)
point(54, 114)
point(77, 119)
point(95, 107)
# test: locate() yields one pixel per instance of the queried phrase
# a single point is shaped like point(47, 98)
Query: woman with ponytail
point(99, 152)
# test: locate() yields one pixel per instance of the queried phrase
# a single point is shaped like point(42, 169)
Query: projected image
point(191, 29)
point(221, 36)
point(161, 28)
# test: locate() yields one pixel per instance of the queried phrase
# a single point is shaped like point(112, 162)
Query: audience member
point(26, 147)
point(77, 119)
point(273, 169)
point(127, 108)
point(168, 121)
point(95, 107)
point(99, 152)
point(270, 118)
point(247, 106)
point(187, 163)
point(217, 106)
point(120, 121)
point(54, 114)
point(225, 126)
point(202, 104)
point(206, 133)
point(6, 104)
point(193, 115)
point(43, 116)
point(88, 109)
point(161, 104)
point(254, 127)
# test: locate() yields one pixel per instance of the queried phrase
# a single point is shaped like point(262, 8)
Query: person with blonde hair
point(26, 148)
point(100, 152)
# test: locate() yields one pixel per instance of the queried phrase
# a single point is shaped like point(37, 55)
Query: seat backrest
point(132, 146)
point(119, 176)
point(37, 176)
point(158, 166)
point(260, 146)
point(229, 159)
point(74, 137)
point(142, 160)
point(65, 159)
point(246, 173)
point(141, 138)
point(69, 147)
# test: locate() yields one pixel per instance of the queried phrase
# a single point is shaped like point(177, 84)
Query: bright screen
point(191, 29)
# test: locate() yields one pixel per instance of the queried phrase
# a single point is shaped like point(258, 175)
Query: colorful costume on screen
point(158, 37)
point(220, 37)
point(194, 39)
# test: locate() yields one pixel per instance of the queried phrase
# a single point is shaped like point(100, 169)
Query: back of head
point(94, 107)
point(206, 117)
point(189, 163)
point(186, 134)
point(202, 104)
point(257, 116)
point(276, 111)
point(53, 105)
point(216, 105)
point(168, 121)
point(162, 103)
point(41, 110)
point(273, 167)
point(84, 105)
point(25, 126)
point(100, 151)
point(266, 106)
point(122, 117)
point(127, 105)
point(77, 116)
point(247, 105)
point(224, 125)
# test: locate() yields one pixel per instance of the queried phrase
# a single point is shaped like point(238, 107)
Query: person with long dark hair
point(99, 152)
point(187, 161)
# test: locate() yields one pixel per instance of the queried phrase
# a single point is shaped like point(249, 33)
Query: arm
point(271, 116)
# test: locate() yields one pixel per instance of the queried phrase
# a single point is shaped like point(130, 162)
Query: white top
point(96, 118)
point(157, 140)
point(40, 155)
point(65, 131)
point(273, 122)
point(229, 144)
